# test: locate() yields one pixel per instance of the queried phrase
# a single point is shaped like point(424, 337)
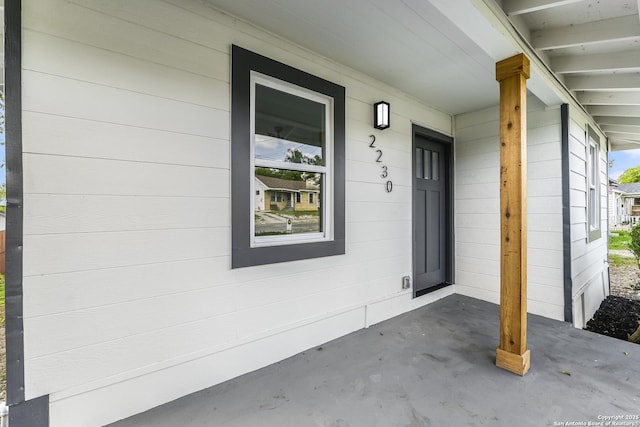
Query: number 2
point(373, 139)
point(379, 156)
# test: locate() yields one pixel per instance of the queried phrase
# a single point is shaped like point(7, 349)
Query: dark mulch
point(617, 317)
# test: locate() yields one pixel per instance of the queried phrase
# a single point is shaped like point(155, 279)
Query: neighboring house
point(619, 206)
point(277, 194)
point(135, 274)
point(624, 204)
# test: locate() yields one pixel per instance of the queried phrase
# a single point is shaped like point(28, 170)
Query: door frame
point(447, 142)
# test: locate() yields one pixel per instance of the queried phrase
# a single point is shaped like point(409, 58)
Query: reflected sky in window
point(277, 149)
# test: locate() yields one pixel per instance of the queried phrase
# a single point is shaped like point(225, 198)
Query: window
point(427, 164)
point(593, 184)
point(287, 137)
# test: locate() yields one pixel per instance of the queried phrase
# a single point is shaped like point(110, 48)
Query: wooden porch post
point(512, 354)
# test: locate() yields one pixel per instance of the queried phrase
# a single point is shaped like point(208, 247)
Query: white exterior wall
point(129, 298)
point(477, 197)
point(612, 208)
point(588, 264)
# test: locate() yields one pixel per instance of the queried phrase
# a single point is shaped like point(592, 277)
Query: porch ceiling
point(409, 44)
point(444, 52)
point(594, 48)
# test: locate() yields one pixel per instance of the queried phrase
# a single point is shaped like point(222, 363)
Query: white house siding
point(477, 197)
point(129, 298)
point(588, 264)
point(612, 211)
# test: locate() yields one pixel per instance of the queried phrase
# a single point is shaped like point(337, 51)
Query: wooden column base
point(516, 363)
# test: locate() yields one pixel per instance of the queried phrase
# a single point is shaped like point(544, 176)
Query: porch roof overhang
point(444, 53)
point(441, 52)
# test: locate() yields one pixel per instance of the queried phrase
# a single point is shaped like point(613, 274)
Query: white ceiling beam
point(519, 7)
point(617, 61)
point(619, 145)
point(603, 82)
point(614, 110)
point(626, 136)
point(618, 121)
point(620, 129)
point(606, 30)
point(608, 98)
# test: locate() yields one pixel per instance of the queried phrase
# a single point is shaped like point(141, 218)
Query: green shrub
point(634, 244)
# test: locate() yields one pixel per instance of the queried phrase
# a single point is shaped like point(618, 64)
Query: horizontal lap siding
point(478, 206)
point(127, 210)
point(589, 274)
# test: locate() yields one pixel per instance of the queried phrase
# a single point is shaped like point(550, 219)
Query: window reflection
point(435, 166)
point(427, 164)
point(289, 128)
point(287, 202)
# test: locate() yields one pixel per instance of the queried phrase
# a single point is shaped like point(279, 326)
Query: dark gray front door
point(430, 214)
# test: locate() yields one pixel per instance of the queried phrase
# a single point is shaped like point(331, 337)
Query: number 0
point(389, 186)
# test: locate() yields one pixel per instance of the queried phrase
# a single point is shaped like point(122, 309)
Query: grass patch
point(619, 240)
point(302, 213)
point(617, 260)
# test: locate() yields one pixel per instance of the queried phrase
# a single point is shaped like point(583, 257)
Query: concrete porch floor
point(430, 367)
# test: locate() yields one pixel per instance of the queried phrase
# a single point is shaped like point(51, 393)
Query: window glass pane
point(289, 128)
point(418, 162)
point(427, 164)
point(292, 202)
point(435, 166)
point(593, 208)
point(594, 164)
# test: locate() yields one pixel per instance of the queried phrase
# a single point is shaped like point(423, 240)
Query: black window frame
point(243, 62)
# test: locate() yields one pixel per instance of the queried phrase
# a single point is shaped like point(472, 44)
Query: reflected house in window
point(278, 194)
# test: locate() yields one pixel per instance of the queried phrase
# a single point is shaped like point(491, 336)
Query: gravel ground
point(623, 279)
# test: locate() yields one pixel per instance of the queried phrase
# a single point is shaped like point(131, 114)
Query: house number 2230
point(385, 170)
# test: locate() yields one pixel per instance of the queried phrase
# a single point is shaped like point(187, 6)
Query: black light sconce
point(381, 115)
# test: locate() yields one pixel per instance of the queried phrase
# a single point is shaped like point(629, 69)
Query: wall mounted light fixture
point(381, 115)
